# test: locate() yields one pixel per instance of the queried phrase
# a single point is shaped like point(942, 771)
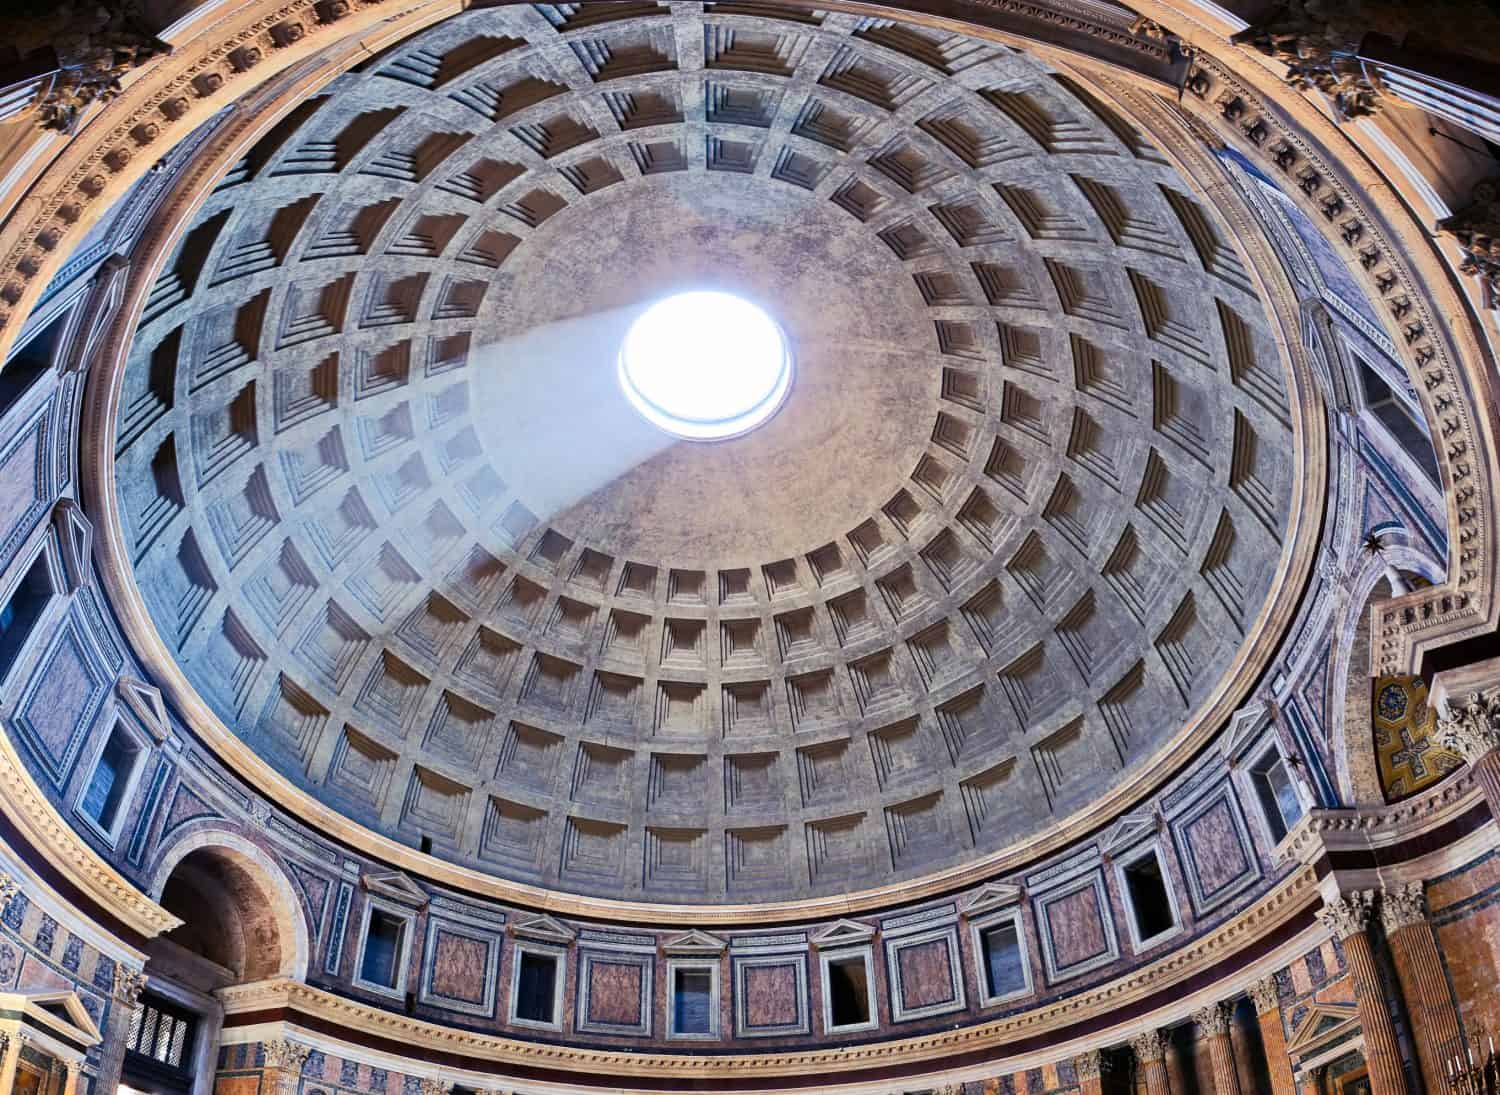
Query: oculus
point(705, 365)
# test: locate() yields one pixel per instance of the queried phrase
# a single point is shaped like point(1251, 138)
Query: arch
point(1355, 776)
point(247, 874)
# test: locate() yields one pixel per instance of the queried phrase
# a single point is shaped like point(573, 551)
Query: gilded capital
point(1149, 1046)
point(1403, 906)
point(1265, 995)
point(1212, 1020)
point(1089, 1065)
point(1471, 728)
point(1347, 915)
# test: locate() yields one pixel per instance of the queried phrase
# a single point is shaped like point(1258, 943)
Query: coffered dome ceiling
point(401, 530)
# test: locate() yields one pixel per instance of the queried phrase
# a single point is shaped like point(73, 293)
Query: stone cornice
point(1322, 831)
point(1293, 896)
point(29, 810)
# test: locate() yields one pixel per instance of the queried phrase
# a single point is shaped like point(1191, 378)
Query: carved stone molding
point(1443, 358)
point(1473, 728)
point(1348, 915)
point(1150, 1045)
point(1265, 995)
point(1211, 1020)
point(1403, 906)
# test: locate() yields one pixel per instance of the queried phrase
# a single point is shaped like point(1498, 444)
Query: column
point(1090, 1069)
point(1150, 1051)
point(1471, 728)
point(70, 1084)
point(434, 1087)
point(1347, 919)
point(129, 984)
point(1267, 1000)
point(1213, 1029)
point(282, 1067)
point(1434, 1019)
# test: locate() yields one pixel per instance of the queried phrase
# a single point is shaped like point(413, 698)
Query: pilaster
point(1403, 912)
point(1347, 919)
point(1267, 1000)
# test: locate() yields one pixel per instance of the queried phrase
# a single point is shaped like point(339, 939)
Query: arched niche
point(239, 910)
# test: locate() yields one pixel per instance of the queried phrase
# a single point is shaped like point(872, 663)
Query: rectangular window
point(692, 999)
point(30, 362)
point(536, 987)
point(384, 938)
point(111, 779)
point(1151, 905)
point(1004, 968)
point(19, 614)
point(1278, 795)
point(159, 1046)
point(848, 991)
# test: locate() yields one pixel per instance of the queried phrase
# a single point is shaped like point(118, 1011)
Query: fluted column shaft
point(1213, 1027)
point(1348, 918)
point(1420, 971)
point(1267, 1003)
point(1150, 1055)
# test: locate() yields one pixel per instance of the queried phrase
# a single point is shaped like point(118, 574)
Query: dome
point(1009, 540)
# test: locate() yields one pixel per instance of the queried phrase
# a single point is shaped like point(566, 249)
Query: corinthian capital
point(1403, 906)
point(434, 1087)
point(1089, 1065)
point(1471, 728)
point(129, 984)
point(1264, 995)
point(1149, 1046)
point(286, 1056)
point(1347, 915)
point(1213, 1019)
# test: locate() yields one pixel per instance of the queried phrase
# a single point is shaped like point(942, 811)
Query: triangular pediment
point(695, 942)
point(62, 1012)
point(1244, 727)
point(992, 895)
point(396, 887)
point(75, 537)
point(544, 927)
point(1127, 830)
point(147, 704)
point(1321, 1024)
point(843, 931)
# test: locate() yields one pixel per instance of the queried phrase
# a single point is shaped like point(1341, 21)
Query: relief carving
point(1347, 915)
point(1317, 43)
point(93, 46)
point(1471, 729)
